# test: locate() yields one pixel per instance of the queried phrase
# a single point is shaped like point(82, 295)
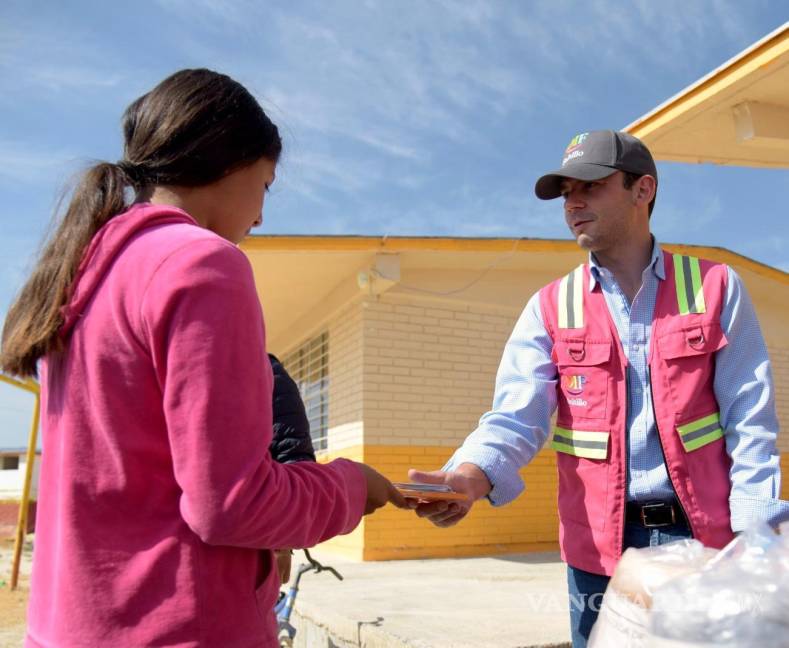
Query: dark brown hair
point(192, 129)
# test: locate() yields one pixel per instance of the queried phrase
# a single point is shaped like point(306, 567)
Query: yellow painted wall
point(785, 475)
point(352, 544)
point(528, 524)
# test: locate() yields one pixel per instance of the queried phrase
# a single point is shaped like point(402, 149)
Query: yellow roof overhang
point(736, 115)
point(302, 279)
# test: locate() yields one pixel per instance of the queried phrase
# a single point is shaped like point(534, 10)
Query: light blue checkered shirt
point(517, 426)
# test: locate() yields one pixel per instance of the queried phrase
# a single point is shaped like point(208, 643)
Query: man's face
point(599, 213)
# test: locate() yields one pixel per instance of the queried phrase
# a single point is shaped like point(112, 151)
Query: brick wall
point(429, 368)
point(346, 343)
point(779, 358)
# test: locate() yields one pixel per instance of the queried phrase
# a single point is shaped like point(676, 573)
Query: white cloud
point(52, 59)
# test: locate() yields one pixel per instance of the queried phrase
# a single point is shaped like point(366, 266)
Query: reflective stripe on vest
point(687, 277)
point(699, 433)
point(591, 445)
point(571, 300)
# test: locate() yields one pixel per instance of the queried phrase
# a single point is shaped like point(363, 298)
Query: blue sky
point(400, 117)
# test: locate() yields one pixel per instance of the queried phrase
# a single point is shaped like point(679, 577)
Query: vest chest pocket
point(583, 379)
point(692, 341)
point(688, 356)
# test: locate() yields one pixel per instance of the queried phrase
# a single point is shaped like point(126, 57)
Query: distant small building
point(13, 464)
point(395, 343)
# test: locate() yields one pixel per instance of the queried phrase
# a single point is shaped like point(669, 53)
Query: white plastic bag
point(740, 599)
point(624, 613)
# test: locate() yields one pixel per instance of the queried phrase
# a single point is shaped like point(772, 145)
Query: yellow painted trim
point(406, 244)
point(761, 54)
point(28, 384)
point(730, 161)
point(24, 505)
point(458, 551)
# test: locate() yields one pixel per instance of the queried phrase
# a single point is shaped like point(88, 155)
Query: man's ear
point(644, 190)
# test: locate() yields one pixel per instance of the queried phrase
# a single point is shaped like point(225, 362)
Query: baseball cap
point(597, 154)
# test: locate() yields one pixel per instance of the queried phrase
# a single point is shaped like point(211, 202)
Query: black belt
point(655, 514)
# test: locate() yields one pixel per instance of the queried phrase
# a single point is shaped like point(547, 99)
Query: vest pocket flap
point(692, 341)
point(580, 443)
point(581, 353)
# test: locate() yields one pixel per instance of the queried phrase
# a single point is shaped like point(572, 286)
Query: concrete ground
point(502, 602)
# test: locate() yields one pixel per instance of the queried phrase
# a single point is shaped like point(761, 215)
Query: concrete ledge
point(514, 601)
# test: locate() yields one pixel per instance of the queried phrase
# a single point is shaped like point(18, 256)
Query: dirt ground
point(13, 605)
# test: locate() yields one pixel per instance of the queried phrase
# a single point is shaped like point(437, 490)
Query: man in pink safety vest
point(657, 370)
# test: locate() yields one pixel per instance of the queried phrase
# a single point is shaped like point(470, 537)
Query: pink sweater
point(157, 492)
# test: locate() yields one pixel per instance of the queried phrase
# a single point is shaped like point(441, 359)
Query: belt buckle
point(657, 506)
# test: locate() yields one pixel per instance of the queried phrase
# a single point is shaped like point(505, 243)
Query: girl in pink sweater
point(157, 491)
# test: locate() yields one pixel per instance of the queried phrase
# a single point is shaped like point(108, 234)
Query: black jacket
point(291, 441)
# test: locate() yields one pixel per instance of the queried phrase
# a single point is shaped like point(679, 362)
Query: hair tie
point(134, 174)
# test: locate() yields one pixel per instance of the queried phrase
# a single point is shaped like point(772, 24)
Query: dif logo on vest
point(574, 386)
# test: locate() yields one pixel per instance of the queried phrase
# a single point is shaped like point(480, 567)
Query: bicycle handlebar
point(314, 564)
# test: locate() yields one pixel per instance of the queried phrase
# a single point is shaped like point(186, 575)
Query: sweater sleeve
point(205, 329)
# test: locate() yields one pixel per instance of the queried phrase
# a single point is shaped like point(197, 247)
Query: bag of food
point(739, 599)
point(624, 614)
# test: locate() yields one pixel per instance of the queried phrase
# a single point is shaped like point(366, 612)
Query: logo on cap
point(575, 142)
point(572, 151)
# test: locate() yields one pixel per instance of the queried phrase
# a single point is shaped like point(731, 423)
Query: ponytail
point(33, 321)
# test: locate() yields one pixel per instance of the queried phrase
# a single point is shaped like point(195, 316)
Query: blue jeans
point(586, 589)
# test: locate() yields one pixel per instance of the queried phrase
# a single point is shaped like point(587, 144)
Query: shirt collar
point(655, 263)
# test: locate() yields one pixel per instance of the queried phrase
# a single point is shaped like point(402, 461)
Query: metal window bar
point(308, 365)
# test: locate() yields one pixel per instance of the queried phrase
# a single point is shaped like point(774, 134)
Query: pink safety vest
point(590, 424)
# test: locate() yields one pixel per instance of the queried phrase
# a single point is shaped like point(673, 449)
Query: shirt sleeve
point(516, 427)
point(205, 328)
point(746, 396)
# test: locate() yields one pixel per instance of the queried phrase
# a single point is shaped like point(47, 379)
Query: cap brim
point(550, 185)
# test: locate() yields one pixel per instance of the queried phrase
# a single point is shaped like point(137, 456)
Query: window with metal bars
point(308, 365)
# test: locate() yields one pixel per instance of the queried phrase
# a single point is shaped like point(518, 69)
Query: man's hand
point(467, 479)
point(380, 490)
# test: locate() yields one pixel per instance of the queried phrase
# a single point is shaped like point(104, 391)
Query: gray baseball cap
point(595, 155)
